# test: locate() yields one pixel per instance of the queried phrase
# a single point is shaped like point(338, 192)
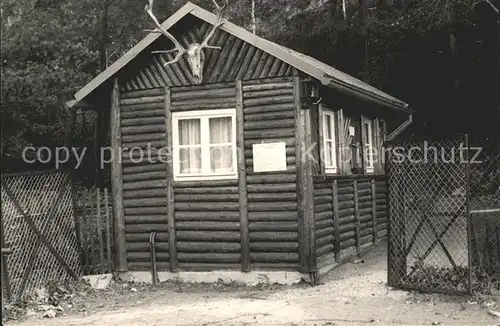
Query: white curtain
point(369, 144)
point(190, 145)
point(329, 140)
point(327, 132)
point(221, 153)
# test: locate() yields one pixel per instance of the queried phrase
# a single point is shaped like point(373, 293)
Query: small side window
point(369, 148)
point(329, 142)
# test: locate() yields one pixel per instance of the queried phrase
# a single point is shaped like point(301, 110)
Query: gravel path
point(353, 294)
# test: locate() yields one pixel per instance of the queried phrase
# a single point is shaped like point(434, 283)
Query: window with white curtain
point(204, 144)
point(369, 149)
point(329, 142)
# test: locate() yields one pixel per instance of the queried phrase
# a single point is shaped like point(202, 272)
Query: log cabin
point(260, 159)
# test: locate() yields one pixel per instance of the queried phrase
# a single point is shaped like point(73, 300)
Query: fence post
point(374, 213)
point(5, 269)
point(108, 231)
point(242, 181)
point(99, 231)
point(90, 234)
point(356, 215)
point(172, 242)
point(83, 225)
point(391, 277)
point(469, 222)
point(117, 181)
point(336, 220)
point(78, 227)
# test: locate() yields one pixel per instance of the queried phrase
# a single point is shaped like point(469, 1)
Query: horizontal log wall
point(143, 126)
point(207, 227)
point(381, 208)
point(272, 196)
point(236, 60)
point(349, 217)
point(207, 214)
point(348, 232)
point(324, 221)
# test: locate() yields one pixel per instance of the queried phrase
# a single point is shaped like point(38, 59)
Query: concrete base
point(99, 282)
point(328, 263)
point(326, 269)
point(226, 277)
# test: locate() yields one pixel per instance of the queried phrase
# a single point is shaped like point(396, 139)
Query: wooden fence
point(94, 218)
point(350, 216)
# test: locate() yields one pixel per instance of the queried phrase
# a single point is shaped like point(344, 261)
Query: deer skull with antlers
point(195, 53)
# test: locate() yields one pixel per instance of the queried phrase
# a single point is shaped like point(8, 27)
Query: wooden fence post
point(356, 215)
point(117, 181)
point(85, 235)
point(99, 231)
point(309, 192)
point(78, 227)
point(108, 232)
point(242, 181)
point(307, 247)
point(90, 223)
point(299, 138)
point(6, 289)
point(172, 243)
point(374, 213)
point(336, 220)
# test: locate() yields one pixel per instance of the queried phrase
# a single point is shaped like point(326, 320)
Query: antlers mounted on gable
point(196, 56)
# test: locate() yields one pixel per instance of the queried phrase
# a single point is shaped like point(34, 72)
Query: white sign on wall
point(269, 157)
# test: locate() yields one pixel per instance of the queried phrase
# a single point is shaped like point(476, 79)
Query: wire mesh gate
point(38, 225)
point(444, 215)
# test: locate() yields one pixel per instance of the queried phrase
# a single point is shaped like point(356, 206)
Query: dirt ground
point(353, 294)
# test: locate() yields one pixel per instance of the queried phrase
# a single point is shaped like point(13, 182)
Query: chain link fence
point(38, 225)
point(484, 212)
point(444, 215)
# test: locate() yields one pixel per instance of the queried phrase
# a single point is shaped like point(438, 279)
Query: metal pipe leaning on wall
point(152, 244)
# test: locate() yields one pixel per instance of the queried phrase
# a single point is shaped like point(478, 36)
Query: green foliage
point(48, 53)
point(436, 55)
point(44, 59)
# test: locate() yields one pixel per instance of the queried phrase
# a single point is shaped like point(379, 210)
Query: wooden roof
point(326, 74)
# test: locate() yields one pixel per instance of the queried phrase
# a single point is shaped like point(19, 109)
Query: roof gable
point(326, 74)
point(235, 60)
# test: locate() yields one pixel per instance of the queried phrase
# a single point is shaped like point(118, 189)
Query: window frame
point(334, 169)
point(204, 116)
point(369, 145)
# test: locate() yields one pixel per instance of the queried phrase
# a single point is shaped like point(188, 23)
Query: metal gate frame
point(417, 180)
point(416, 208)
point(41, 240)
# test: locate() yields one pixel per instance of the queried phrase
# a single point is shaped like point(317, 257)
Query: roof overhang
point(339, 85)
point(73, 104)
point(131, 54)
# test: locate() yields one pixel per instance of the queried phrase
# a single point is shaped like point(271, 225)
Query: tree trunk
point(254, 25)
point(97, 149)
point(364, 22)
point(103, 32)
